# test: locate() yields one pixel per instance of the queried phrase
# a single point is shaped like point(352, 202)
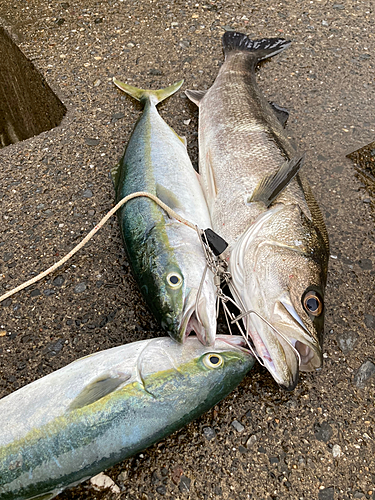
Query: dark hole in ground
point(27, 104)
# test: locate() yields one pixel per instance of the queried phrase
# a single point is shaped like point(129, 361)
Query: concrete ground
point(314, 443)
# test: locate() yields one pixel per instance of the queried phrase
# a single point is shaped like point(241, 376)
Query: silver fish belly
point(263, 207)
point(101, 409)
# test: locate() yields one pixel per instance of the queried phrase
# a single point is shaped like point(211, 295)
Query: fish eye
point(312, 303)
point(174, 280)
point(213, 360)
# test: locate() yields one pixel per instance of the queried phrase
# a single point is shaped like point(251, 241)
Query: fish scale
point(261, 205)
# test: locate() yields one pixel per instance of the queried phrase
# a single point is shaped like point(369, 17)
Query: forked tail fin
point(143, 95)
point(261, 49)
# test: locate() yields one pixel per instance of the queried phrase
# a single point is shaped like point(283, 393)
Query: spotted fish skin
point(264, 208)
point(166, 256)
point(101, 409)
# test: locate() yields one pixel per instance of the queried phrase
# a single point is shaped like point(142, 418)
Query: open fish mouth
point(196, 319)
point(290, 350)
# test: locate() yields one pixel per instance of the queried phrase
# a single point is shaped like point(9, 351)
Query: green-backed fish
point(264, 208)
point(166, 256)
point(101, 409)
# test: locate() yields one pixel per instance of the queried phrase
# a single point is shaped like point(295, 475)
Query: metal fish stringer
point(214, 247)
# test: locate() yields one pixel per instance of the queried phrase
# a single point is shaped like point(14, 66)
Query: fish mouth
point(235, 341)
point(197, 319)
point(284, 347)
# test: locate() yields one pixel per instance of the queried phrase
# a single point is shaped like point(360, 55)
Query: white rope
point(62, 261)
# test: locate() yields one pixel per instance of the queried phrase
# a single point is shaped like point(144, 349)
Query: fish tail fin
point(143, 95)
point(261, 49)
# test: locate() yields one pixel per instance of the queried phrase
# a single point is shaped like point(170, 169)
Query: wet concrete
point(27, 104)
point(317, 442)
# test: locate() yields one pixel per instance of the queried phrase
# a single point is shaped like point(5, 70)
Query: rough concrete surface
point(314, 443)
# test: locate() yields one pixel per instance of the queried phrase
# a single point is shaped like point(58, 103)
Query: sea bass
point(264, 208)
point(101, 409)
point(166, 256)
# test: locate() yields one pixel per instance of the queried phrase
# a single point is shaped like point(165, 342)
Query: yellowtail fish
point(101, 409)
point(263, 207)
point(166, 256)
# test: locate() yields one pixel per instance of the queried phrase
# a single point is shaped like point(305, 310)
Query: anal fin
point(272, 185)
point(281, 113)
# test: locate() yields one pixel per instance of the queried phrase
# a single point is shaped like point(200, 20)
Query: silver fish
point(166, 256)
point(103, 408)
point(264, 208)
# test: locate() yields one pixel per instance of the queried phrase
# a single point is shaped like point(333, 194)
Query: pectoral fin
point(98, 389)
point(167, 197)
point(271, 186)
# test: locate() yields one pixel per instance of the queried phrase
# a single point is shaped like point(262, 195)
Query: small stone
point(102, 482)
point(35, 293)
point(162, 490)
point(209, 433)
point(327, 493)
point(98, 20)
point(369, 321)
point(176, 474)
point(242, 450)
point(184, 485)
point(7, 256)
point(323, 432)
point(364, 373)
point(3, 333)
point(60, 21)
point(186, 122)
point(155, 71)
point(130, 45)
point(238, 426)
point(274, 460)
point(48, 292)
point(87, 193)
point(123, 476)
point(336, 451)
point(97, 83)
point(325, 23)
point(358, 494)
point(338, 6)
point(365, 264)
point(81, 287)
point(91, 142)
point(117, 116)
point(347, 341)
point(251, 441)
point(58, 281)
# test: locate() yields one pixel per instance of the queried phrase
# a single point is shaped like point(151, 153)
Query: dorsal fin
point(196, 95)
point(98, 389)
point(281, 113)
point(272, 185)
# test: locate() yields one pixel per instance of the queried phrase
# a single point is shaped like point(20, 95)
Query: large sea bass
point(166, 256)
point(101, 409)
point(265, 210)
